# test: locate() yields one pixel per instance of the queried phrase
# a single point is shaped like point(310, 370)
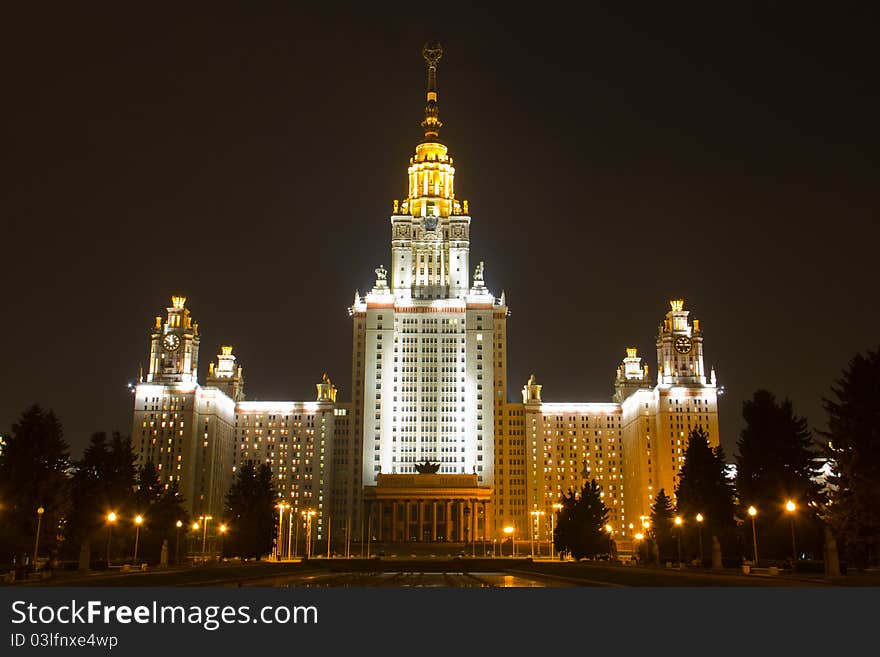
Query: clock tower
point(680, 348)
point(174, 346)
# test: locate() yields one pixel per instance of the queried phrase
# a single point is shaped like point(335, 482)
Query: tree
point(777, 461)
point(33, 474)
point(250, 506)
point(853, 450)
point(661, 526)
point(103, 481)
point(580, 525)
point(704, 488)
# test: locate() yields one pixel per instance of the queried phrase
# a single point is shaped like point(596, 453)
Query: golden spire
point(432, 52)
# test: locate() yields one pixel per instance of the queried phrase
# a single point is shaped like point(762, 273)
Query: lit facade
point(429, 385)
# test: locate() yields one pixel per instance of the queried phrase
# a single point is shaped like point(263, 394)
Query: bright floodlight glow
point(138, 519)
point(111, 517)
point(179, 524)
point(790, 506)
point(222, 529)
point(753, 511)
point(699, 517)
point(608, 528)
point(678, 520)
point(640, 536)
point(508, 529)
point(195, 526)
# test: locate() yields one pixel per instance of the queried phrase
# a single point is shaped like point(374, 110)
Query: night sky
point(248, 158)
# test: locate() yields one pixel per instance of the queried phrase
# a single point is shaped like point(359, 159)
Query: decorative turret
point(631, 376)
point(326, 390)
point(680, 348)
point(226, 375)
point(531, 392)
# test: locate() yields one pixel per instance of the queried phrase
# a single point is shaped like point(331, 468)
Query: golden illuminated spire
point(432, 52)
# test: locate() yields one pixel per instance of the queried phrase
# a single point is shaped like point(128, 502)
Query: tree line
point(790, 492)
point(85, 510)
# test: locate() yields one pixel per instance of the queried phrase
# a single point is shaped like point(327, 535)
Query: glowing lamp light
point(678, 520)
point(195, 526)
point(222, 529)
point(699, 517)
point(753, 511)
point(609, 528)
point(111, 517)
point(138, 519)
point(178, 524)
point(508, 529)
point(790, 506)
point(640, 536)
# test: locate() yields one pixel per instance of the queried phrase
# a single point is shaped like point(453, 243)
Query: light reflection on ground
point(407, 579)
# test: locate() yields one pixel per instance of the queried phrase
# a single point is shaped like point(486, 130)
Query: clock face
point(683, 344)
point(171, 342)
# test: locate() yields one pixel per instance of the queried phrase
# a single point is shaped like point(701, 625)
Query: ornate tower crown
point(178, 301)
point(226, 349)
point(676, 305)
point(631, 352)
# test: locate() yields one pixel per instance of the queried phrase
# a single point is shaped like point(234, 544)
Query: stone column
point(447, 520)
point(489, 520)
point(394, 521)
point(434, 521)
point(406, 518)
point(421, 533)
point(381, 518)
point(474, 520)
point(460, 505)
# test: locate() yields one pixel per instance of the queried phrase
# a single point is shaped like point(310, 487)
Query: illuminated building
point(429, 440)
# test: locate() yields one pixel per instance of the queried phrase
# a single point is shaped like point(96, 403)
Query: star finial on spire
point(432, 52)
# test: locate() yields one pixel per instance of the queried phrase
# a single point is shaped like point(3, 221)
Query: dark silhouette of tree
point(777, 461)
point(33, 473)
point(580, 524)
point(103, 481)
point(250, 507)
point(703, 488)
point(161, 508)
point(853, 449)
point(662, 514)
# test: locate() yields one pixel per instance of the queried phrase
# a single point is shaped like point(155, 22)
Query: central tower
point(429, 349)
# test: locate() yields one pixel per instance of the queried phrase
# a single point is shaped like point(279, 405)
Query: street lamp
point(790, 508)
point(223, 529)
point(753, 512)
point(278, 547)
point(178, 524)
point(205, 520)
point(678, 523)
point(509, 529)
point(700, 526)
point(308, 515)
point(40, 511)
point(557, 507)
point(138, 520)
point(536, 529)
point(111, 518)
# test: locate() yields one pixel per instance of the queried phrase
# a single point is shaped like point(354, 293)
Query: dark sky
point(247, 157)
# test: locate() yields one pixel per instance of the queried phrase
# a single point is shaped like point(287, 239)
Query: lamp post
point(40, 511)
point(699, 519)
point(557, 507)
point(111, 518)
point(308, 515)
point(138, 520)
point(678, 523)
point(790, 508)
point(205, 520)
point(278, 546)
point(536, 529)
point(223, 529)
point(509, 530)
point(752, 513)
point(179, 525)
point(290, 525)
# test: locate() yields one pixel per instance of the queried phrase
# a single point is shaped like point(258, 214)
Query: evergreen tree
point(662, 513)
point(161, 508)
point(703, 488)
point(777, 461)
point(103, 481)
point(250, 506)
point(580, 524)
point(853, 450)
point(33, 474)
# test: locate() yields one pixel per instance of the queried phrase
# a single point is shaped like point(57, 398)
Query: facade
point(428, 394)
